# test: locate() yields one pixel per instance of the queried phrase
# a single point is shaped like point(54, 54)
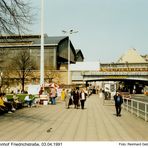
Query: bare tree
point(5, 80)
point(23, 66)
point(53, 76)
point(3, 54)
point(14, 15)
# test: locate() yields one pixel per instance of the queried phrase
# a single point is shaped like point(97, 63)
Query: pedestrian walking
point(76, 97)
point(41, 91)
point(82, 98)
point(63, 94)
point(53, 95)
point(68, 98)
point(118, 102)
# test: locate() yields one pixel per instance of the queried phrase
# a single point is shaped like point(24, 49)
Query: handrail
point(137, 101)
point(133, 106)
point(114, 73)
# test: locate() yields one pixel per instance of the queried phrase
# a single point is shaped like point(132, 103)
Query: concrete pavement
point(97, 122)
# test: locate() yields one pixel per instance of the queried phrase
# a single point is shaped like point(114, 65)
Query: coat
point(118, 102)
point(81, 96)
point(63, 95)
point(76, 97)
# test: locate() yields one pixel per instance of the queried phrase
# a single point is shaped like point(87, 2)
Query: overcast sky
point(107, 28)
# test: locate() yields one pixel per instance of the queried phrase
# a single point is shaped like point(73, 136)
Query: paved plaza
point(97, 122)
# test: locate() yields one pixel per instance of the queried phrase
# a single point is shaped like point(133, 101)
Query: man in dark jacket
point(118, 102)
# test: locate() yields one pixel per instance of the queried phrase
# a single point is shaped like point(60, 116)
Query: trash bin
point(45, 102)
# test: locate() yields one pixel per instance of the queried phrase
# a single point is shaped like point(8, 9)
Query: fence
point(139, 108)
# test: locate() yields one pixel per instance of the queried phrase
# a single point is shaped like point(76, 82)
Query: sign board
point(33, 89)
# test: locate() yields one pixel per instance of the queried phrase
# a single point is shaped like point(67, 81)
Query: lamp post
point(69, 33)
point(42, 45)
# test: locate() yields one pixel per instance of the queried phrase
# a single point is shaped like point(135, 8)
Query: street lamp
point(69, 33)
point(42, 45)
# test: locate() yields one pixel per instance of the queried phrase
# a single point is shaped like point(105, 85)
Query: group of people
point(7, 106)
point(75, 96)
point(52, 94)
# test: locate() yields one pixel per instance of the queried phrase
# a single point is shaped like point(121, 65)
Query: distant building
point(131, 56)
point(79, 55)
point(55, 52)
point(145, 57)
point(55, 49)
point(130, 61)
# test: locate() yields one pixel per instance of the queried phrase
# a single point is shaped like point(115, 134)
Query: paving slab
point(97, 122)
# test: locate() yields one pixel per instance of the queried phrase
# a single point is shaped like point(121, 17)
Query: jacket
point(118, 100)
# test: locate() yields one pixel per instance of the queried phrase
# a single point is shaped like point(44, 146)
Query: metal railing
point(139, 108)
point(140, 73)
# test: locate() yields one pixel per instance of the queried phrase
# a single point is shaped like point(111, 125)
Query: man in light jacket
point(82, 98)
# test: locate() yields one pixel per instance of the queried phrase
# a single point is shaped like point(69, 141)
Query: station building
point(55, 54)
point(131, 61)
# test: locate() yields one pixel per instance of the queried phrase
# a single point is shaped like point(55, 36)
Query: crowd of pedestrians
point(71, 96)
point(74, 97)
